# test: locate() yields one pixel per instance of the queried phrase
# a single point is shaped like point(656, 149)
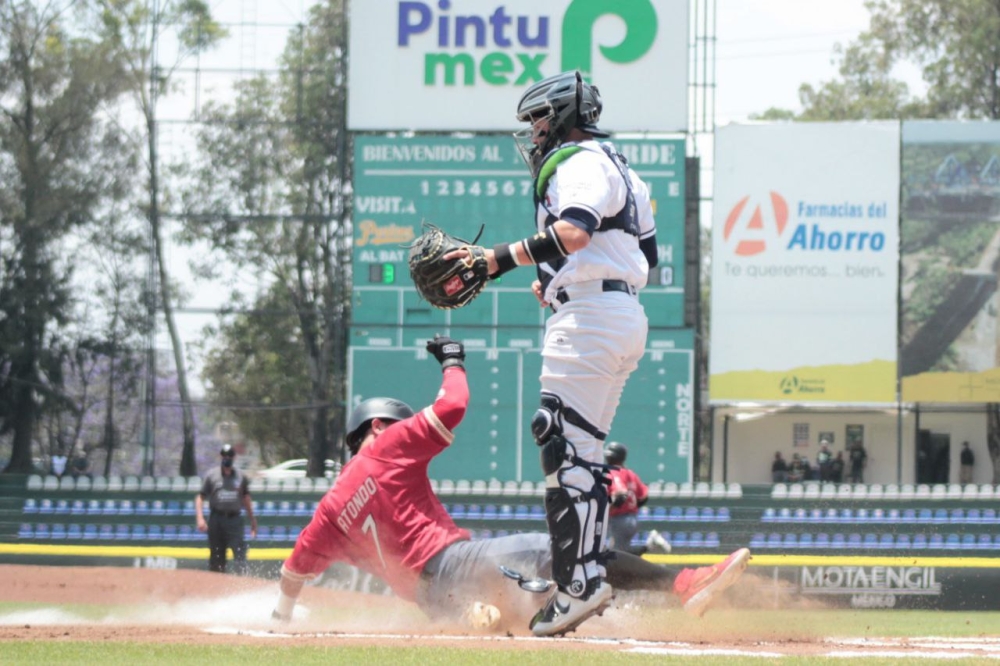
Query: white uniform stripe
point(435, 422)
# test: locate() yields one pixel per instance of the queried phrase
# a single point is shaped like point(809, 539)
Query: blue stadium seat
point(61, 508)
point(659, 513)
point(139, 532)
point(838, 541)
point(484, 534)
point(456, 511)
point(854, 540)
point(886, 541)
point(122, 532)
point(169, 532)
point(142, 508)
point(925, 516)
point(831, 516)
point(285, 508)
point(861, 516)
point(806, 540)
point(301, 509)
point(707, 515)
point(154, 533)
point(790, 541)
point(680, 540)
point(989, 516)
point(973, 517)
point(58, 531)
point(74, 531)
point(878, 516)
point(473, 512)
point(940, 516)
point(952, 542)
point(186, 532)
point(263, 533)
point(173, 508)
point(800, 516)
point(722, 515)
point(712, 540)
point(106, 532)
point(903, 542)
point(93, 507)
point(157, 508)
point(537, 512)
point(505, 512)
point(691, 514)
point(675, 515)
point(919, 542)
point(769, 515)
point(125, 507)
point(935, 541)
point(773, 540)
point(815, 516)
point(268, 508)
point(644, 514)
point(78, 508)
point(696, 540)
point(25, 531)
point(984, 542)
point(500, 533)
point(521, 512)
point(490, 512)
point(870, 540)
point(784, 515)
point(956, 516)
point(279, 533)
point(822, 540)
point(893, 517)
point(30, 506)
point(909, 516)
point(846, 516)
point(41, 531)
point(968, 542)
point(757, 540)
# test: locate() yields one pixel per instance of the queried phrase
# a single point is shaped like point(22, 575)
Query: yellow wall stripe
point(179, 553)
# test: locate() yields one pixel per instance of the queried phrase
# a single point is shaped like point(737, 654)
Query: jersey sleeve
point(584, 186)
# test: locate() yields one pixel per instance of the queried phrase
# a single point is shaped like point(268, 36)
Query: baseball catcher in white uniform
point(594, 246)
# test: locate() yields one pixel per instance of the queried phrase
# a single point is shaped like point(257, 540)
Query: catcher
point(382, 517)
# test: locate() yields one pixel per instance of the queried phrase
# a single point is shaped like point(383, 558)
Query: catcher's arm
point(558, 240)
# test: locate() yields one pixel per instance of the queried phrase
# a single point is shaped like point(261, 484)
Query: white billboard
point(440, 65)
point(805, 250)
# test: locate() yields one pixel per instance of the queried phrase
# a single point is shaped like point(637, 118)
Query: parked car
point(296, 469)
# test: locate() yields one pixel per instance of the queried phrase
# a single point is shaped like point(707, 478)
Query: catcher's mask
point(385, 409)
point(614, 453)
point(565, 101)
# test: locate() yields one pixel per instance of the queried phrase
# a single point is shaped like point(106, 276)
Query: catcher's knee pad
point(547, 421)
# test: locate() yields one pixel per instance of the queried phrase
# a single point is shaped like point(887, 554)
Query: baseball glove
point(447, 283)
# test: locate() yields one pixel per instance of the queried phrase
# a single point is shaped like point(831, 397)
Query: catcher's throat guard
point(447, 283)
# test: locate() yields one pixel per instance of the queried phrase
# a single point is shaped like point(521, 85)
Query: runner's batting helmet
point(614, 453)
point(385, 409)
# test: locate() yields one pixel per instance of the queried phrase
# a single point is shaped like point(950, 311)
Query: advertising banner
point(804, 263)
point(950, 243)
point(464, 64)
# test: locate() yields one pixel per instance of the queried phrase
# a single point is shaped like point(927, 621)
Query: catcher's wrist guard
point(506, 261)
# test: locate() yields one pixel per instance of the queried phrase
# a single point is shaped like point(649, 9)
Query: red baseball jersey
point(628, 482)
point(381, 515)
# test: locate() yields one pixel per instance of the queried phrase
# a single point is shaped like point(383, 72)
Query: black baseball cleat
point(564, 613)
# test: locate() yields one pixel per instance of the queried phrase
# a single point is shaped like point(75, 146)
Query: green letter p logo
point(578, 28)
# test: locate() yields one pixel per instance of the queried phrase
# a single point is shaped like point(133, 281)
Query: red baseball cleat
point(699, 587)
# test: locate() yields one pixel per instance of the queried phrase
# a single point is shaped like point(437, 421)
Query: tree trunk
point(993, 438)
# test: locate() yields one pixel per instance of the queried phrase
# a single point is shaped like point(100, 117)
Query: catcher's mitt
point(447, 283)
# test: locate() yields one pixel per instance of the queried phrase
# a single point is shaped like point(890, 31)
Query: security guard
point(227, 490)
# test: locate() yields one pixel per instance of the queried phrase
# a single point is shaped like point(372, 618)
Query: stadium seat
point(537, 512)
point(984, 542)
point(644, 514)
point(822, 540)
point(670, 490)
point(157, 508)
point(676, 514)
point(718, 491)
point(769, 515)
point(321, 485)
point(954, 491)
point(25, 531)
point(293, 533)
point(790, 541)
point(474, 512)
point(784, 515)
point(893, 516)
point(285, 508)
point(147, 484)
point(61, 507)
point(722, 515)
point(99, 484)
point(494, 487)
point(796, 491)
point(707, 515)
point(106, 532)
point(173, 508)
point(907, 491)
point(510, 488)
point(859, 492)
point(919, 542)
point(506, 512)
point(154, 533)
point(876, 491)
point(846, 516)
point(163, 484)
point(57, 531)
point(527, 489)
point(712, 540)
point(45, 507)
point(986, 492)
point(886, 541)
point(938, 492)
point(268, 508)
point(940, 516)
point(702, 490)
point(30, 506)
point(970, 492)
point(96, 508)
point(301, 509)
point(935, 541)
point(844, 491)
point(67, 483)
point(139, 532)
point(815, 516)
point(34, 482)
point(465, 487)
point(178, 484)
point(446, 487)
point(757, 540)
point(734, 491)
point(953, 542)
point(170, 532)
point(50, 483)
point(779, 491)
point(861, 516)
point(973, 517)
point(89, 532)
point(854, 540)
point(263, 532)
point(696, 540)
point(41, 531)
point(679, 540)
point(925, 516)
point(685, 490)
point(279, 533)
point(691, 514)
point(122, 532)
point(968, 542)
point(185, 532)
point(812, 491)
point(800, 516)
point(521, 512)
point(903, 541)
point(773, 540)
point(490, 512)
point(83, 483)
point(306, 485)
point(923, 491)
point(956, 516)
point(870, 540)
point(828, 491)
point(831, 516)
point(77, 508)
point(877, 516)
point(659, 513)
point(909, 516)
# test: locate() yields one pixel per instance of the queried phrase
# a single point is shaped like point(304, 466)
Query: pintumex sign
point(450, 65)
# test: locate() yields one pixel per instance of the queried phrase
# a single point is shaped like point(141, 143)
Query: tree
point(269, 194)
point(53, 142)
point(135, 27)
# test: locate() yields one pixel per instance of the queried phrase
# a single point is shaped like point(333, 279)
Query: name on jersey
point(356, 504)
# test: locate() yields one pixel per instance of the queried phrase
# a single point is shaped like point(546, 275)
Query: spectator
point(837, 468)
point(808, 473)
point(968, 460)
point(779, 469)
point(858, 459)
point(823, 459)
point(58, 463)
point(81, 463)
point(797, 470)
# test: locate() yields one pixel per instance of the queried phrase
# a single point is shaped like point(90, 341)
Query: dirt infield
point(194, 607)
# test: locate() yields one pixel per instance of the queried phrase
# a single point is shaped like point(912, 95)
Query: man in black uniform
point(227, 490)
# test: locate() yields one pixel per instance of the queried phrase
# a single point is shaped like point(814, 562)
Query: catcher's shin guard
point(576, 501)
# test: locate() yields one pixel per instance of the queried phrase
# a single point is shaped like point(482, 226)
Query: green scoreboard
point(480, 185)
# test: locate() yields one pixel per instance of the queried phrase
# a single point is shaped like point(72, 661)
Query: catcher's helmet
point(227, 450)
point(567, 101)
point(614, 453)
point(386, 409)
